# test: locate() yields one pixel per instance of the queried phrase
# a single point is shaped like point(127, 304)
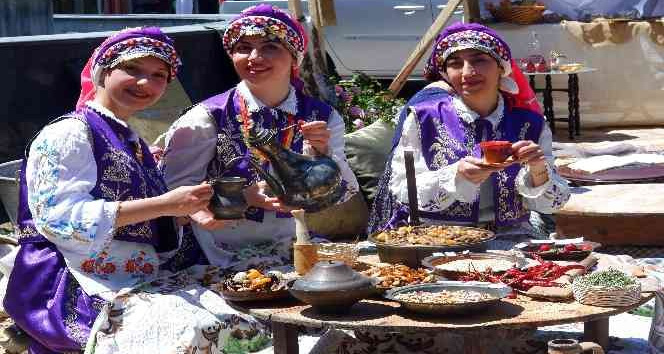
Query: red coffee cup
point(496, 151)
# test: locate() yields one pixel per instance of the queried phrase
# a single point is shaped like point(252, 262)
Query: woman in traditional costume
point(95, 222)
point(474, 98)
point(266, 46)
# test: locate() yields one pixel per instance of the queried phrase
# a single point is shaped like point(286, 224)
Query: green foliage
point(241, 346)
point(362, 101)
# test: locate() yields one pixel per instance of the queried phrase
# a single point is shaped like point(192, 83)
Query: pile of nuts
point(399, 275)
point(443, 297)
point(436, 235)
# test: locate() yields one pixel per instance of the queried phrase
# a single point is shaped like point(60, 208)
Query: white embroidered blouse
point(191, 145)
point(438, 189)
point(60, 174)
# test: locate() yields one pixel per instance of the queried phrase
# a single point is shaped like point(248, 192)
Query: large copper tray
point(412, 255)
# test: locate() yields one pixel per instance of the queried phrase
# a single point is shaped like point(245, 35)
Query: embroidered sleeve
point(61, 172)
point(190, 146)
point(337, 152)
point(436, 190)
point(553, 194)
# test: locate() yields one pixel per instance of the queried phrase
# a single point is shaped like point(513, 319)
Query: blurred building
point(130, 6)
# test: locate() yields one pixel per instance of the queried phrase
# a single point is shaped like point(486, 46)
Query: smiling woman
point(133, 85)
point(266, 46)
point(473, 99)
point(95, 217)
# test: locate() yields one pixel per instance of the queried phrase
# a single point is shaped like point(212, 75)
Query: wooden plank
point(471, 11)
point(327, 13)
point(597, 331)
point(318, 40)
point(422, 46)
point(412, 187)
point(284, 338)
point(295, 8)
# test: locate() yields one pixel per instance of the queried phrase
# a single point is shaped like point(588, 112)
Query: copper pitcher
point(572, 346)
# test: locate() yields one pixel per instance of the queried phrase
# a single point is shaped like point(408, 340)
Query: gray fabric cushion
point(367, 150)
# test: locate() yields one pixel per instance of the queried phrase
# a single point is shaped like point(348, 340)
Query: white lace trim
point(105, 111)
point(469, 116)
point(96, 106)
point(289, 105)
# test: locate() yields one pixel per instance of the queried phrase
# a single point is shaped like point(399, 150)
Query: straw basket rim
point(519, 14)
point(336, 251)
point(607, 296)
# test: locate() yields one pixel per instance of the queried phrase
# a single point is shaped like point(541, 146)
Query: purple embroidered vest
point(120, 177)
point(224, 109)
point(446, 138)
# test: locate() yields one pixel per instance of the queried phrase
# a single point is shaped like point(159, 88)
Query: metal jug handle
point(591, 347)
point(276, 186)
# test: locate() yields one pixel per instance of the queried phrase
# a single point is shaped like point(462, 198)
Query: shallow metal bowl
point(244, 296)
point(497, 291)
point(432, 262)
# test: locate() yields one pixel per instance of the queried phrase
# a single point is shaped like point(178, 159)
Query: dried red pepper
point(542, 274)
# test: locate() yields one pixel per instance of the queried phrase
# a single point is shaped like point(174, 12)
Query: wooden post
point(471, 11)
point(422, 46)
point(295, 8)
point(314, 70)
point(317, 38)
point(284, 337)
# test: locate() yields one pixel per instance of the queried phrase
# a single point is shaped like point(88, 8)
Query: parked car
point(372, 36)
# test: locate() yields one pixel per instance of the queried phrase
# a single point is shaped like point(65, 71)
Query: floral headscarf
point(462, 36)
point(270, 21)
point(128, 44)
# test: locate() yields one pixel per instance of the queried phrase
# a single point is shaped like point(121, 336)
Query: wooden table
point(615, 214)
point(573, 119)
point(509, 315)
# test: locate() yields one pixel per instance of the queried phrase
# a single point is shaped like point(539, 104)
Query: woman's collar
point(289, 105)
point(469, 116)
point(99, 108)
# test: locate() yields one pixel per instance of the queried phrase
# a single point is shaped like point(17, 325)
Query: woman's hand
point(256, 196)
point(316, 135)
point(527, 151)
point(206, 220)
point(473, 170)
point(186, 200)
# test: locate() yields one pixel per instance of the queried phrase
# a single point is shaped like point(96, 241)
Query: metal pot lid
point(332, 276)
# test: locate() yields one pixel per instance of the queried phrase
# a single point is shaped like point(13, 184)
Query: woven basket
point(345, 252)
point(520, 14)
point(605, 296)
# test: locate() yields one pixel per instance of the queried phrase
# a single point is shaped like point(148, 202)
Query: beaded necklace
point(247, 123)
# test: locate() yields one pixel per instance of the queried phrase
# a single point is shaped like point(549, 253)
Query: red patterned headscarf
point(130, 43)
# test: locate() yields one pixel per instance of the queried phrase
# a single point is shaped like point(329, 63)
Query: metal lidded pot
point(332, 287)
